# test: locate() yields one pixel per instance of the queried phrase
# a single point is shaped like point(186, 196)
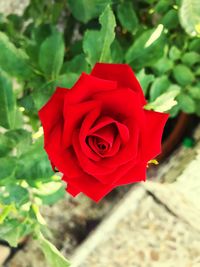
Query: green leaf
point(34, 164)
point(41, 32)
point(117, 52)
point(51, 55)
point(13, 60)
point(67, 80)
point(85, 10)
point(91, 40)
point(170, 19)
point(16, 194)
point(27, 102)
point(189, 15)
point(147, 48)
point(197, 108)
point(194, 92)
point(174, 87)
point(174, 53)
point(194, 45)
point(164, 102)
point(76, 65)
point(5, 211)
point(127, 16)
point(53, 192)
point(186, 103)
point(7, 167)
point(20, 139)
point(101, 40)
point(38, 35)
point(15, 23)
point(183, 75)
point(163, 65)
point(158, 87)
point(162, 6)
point(197, 72)
point(18, 135)
point(57, 10)
point(10, 231)
point(5, 145)
point(145, 80)
point(190, 58)
point(174, 111)
point(108, 23)
point(52, 255)
point(41, 94)
point(7, 102)
point(35, 215)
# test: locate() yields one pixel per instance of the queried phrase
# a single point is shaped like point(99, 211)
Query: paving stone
point(4, 253)
point(144, 235)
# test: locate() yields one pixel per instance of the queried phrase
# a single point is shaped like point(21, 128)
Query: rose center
point(102, 146)
point(98, 145)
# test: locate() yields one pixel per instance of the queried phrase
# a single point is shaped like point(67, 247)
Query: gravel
point(148, 237)
point(10, 6)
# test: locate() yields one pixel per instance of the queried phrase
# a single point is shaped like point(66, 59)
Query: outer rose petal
point(86, 86)
point(117, 174)
point(71, 189)
point(151, 141)
point(122, 73)
point(60, 156)
point(96, 190)
point(51, 116)
point(89, 186)
point(135, 174)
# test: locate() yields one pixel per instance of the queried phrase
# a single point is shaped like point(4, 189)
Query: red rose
point(98, 134)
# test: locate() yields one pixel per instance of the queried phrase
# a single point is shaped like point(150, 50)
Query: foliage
point(49, 46)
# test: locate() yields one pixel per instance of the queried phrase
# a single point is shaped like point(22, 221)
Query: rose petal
point(135, 174)
point(112, 150)
point(98, 145)
point(117, 174)
point(121, 104)
point(96, 190)
point(86, 86)
point(88, 121)
point(105, 121)
point(152, 135)
point(64, 159)
point(129, 151)
point(87, 164)
point(71, 189)
point(89, 186)
point(122, 73)
point(74, 116)
point(106, 133)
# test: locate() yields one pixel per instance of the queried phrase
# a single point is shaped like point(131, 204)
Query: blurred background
point(46, 43)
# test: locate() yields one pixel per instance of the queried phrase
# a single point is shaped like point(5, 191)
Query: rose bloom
point(98, 133)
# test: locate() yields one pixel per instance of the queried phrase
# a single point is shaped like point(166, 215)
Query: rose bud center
point(98, 145)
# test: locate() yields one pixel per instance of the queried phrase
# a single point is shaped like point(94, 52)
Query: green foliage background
point(50, 45)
